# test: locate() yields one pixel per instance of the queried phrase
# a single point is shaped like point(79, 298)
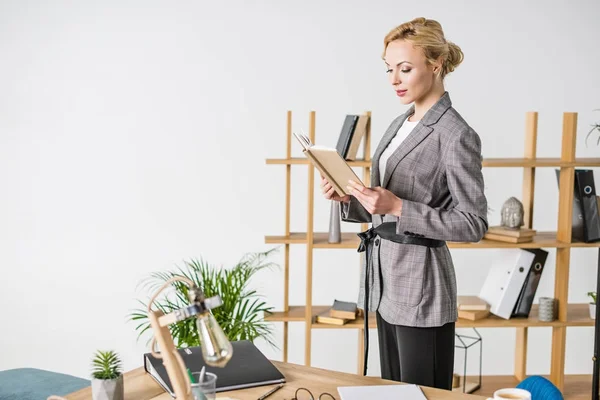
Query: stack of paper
point(400, 392)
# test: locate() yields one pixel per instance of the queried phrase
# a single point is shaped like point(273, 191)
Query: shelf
point(487, 162)
point(578, 315)
point(296, 313)
point(351, 241)
point(540, 240)
point(358, 323)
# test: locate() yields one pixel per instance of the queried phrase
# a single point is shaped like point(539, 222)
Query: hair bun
point(455, 57)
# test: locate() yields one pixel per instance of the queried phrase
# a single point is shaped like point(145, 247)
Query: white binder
point(504, 281)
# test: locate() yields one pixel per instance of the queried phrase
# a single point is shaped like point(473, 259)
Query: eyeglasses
point(305, 394)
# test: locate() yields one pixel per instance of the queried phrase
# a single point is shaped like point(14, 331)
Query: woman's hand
point(376, 200)
point(330, 193)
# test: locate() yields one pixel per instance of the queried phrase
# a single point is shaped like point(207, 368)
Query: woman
point(427, 189)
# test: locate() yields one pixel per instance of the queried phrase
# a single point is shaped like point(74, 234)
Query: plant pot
point(592, 311)
point(108, 389)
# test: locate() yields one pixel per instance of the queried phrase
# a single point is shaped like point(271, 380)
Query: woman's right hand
point(329, 192)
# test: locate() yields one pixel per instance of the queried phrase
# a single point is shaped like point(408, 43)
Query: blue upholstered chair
point(37, 384)
point(540, 388)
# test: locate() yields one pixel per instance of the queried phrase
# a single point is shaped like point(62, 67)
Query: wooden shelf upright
point(569, 315)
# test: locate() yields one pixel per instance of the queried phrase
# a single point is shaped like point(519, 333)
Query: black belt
point(387, 231)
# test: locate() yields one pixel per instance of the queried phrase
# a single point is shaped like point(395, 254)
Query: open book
point(329, 163)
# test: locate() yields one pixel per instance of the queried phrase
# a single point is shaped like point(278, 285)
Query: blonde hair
point(428, 35)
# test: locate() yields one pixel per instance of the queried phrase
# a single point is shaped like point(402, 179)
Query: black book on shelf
point(248, 367)
point(586, 221)
point(525, 299)
point(345, 138)
point(586, 197)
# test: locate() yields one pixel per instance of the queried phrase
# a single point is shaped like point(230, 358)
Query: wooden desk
point(140, 386)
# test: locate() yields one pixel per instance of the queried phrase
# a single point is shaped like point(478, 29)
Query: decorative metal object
point(335, 234)
point(547, 310)
point(512, 213)
point(465, 343)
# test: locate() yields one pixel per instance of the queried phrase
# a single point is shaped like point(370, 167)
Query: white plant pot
point(592, 311)
point(108, 389)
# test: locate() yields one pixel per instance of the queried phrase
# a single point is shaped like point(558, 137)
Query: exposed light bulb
point(216, 348)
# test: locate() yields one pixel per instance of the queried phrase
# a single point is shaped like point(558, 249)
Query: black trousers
point(423, 356)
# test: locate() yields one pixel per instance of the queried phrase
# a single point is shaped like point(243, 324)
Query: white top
point(401, 134)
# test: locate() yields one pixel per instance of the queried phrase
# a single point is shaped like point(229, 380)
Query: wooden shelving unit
point(569, 315)
point(351, 241)
point(578, 316)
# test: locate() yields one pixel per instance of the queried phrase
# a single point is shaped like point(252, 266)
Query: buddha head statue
point(512, 213)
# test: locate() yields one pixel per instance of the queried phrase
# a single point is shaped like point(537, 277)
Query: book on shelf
point(586, 219)
point(505, 280)
point(471, 303)
point(585, 195)
point(507, 239)
point(345, 137)
point(532, 280)
point(474, 315)
point(326, 318)
point(517, 232)
point(248, 367)
point(351, 135)
point(357, 136)
point(344, 309)
point(329, 163)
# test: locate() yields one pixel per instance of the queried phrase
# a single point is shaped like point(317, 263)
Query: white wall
point(133, 135)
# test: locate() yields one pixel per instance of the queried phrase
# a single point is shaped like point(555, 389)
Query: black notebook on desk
point(248, 367)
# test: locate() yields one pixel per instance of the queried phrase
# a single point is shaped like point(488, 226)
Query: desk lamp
point(216, 348)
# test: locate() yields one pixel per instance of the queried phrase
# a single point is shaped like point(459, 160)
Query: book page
point(303, 140)
point(337, 168)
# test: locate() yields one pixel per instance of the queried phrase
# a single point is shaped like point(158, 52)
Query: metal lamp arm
point(190, 311)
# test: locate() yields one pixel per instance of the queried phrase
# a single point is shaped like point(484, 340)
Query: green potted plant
point(241, 316)
point(592, 304)
point(107, 377)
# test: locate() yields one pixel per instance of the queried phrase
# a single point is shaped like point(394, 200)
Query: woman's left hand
point(376, 200)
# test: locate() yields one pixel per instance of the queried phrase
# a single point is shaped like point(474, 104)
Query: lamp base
point(168, 352)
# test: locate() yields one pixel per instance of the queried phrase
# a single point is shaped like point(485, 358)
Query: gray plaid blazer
point(436, 171)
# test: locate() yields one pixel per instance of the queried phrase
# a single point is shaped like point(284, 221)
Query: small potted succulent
point(107, 377)
point(592, 305)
